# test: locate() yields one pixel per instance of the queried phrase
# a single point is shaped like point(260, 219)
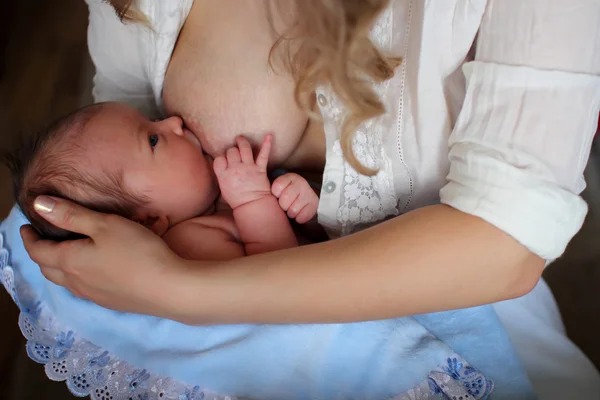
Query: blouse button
point(329, 187)
point(322, 100)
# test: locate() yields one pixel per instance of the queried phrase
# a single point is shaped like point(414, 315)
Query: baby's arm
point(204, 238)
point(263, 226)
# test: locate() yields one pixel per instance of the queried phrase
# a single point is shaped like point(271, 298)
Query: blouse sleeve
point(523, 138)
point(118, 52)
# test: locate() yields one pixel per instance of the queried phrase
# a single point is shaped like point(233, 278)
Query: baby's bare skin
point(249, 217)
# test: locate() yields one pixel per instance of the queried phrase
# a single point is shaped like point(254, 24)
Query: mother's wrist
point(187, 297)
point(215, 293)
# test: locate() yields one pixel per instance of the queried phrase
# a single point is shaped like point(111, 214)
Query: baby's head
point(112, 159)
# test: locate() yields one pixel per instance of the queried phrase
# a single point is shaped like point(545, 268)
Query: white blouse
point(501, 130)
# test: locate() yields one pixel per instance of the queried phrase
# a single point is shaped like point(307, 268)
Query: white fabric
point(131, 59)
point(503, 135)
point(510, 147)
point(556, 368)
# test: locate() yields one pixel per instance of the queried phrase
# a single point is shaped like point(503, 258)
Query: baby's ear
point(157, 224)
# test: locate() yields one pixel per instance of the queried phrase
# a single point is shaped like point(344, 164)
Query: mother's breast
point(219, 102)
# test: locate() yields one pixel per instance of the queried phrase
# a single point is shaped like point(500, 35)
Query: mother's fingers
point(29, 235)
point(54, 275)
point(68, 215)
point(47, 252)
point(36, 247)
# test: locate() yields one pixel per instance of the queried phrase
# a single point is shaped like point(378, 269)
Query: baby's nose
point(174, 125)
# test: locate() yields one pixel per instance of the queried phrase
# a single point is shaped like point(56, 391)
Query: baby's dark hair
point(49, 162)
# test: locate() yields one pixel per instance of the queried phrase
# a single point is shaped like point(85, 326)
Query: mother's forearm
point(432, 259)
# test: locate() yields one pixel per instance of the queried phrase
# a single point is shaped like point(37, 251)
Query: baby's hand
point(241, 179)
point(296, 197)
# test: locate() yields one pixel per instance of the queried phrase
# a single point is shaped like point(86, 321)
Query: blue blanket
point(96, 351)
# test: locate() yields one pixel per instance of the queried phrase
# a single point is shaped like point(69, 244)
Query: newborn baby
point(110, 158)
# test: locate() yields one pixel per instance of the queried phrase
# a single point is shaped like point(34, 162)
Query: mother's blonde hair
point(325, 42)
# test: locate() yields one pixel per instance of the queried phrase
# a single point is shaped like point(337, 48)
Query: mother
point(480, 160)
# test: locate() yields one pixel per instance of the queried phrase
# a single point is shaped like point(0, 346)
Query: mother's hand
point(121, 265)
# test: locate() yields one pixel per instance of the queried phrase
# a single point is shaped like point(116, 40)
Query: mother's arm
point(427, 260)
point(517, 154)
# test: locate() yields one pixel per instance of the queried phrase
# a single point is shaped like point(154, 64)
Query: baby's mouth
point(192, 138)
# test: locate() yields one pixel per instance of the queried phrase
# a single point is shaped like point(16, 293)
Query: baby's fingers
point(245, 150)
point(297, 206)
point(262, 160)
point(233, 156)
point(308, 212)
point(281, 183)
point(288, 197)
point(219, 165)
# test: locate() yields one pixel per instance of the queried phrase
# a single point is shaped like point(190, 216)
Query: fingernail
point(44, 204)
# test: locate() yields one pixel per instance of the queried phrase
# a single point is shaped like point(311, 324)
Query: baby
point(110, 158)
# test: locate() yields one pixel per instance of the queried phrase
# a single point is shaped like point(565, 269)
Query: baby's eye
point(153, 140)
